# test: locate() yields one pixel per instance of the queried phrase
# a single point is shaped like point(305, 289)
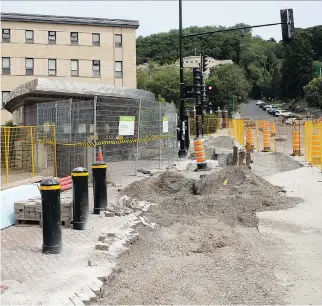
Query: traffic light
point(204, 63)
point(197, 81)
point(210, 89)
point(287, 22)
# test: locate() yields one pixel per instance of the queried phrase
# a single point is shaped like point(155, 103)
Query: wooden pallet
point(31, 222)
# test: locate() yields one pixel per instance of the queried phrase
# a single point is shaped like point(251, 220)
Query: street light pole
point(182, 151)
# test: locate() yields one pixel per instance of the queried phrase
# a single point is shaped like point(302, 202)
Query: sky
point(162, 16)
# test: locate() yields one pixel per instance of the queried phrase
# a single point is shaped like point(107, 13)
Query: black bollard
point(51, 216)
point(80, 198)
point(99, 186)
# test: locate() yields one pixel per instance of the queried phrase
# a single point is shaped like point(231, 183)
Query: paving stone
point(96, 289)
point(76, 300)
point(45, 276)
point(89, 292)
point(109, 214)
point(84, 298)
point(102, 246)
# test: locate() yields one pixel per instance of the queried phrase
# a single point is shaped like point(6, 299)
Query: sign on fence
point(165, 124)
point(126, 125)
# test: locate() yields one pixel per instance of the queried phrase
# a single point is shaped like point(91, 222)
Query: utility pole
point(182, 151)
point(197, 76)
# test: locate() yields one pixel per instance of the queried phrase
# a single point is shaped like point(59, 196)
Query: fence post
point(32, 153)
point(94, 129)
point(6, 151)
point(161, 132)
point(137, 140)
point(55, 149)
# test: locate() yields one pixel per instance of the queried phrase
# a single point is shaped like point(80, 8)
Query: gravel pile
point(232, 195)
point(266, 164)
point(221, 142)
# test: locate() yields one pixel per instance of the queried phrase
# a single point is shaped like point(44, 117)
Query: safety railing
point(297, 137)
point(27, 151)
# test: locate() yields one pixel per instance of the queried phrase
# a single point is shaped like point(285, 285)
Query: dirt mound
point(221, 142)
point(232, 179)
point(169, 183)
point(232, 195)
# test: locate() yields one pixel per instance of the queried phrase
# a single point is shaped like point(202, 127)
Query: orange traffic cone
point(99, 154)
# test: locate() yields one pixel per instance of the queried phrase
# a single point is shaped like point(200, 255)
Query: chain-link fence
point(27, 151)
point(132, 134)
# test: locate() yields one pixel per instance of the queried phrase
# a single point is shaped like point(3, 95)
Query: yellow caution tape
point(107, 142)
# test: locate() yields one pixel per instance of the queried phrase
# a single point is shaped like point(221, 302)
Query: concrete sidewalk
point(34, 278)
point(299, 269)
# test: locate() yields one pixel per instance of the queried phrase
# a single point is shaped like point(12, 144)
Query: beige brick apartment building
point(81, 49)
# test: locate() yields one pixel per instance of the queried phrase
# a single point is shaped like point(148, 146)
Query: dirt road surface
point(206, 247)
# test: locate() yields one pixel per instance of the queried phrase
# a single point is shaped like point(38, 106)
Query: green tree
point(313, 93)
point(163, 81)
point(228, 80)
point(297, 65)
point(259, 59)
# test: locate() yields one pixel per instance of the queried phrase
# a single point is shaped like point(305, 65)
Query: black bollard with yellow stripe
point(80, 197)
point(51, 216)
point(99, 186)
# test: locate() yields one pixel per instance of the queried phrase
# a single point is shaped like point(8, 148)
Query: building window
point(118, 70)
point(5, 97)
point(52, 37)
point(96, 39)
point(29, 36)
point(29, 66)
point(6, 65)
point(74, 67)
point(5, 35)
point(74, 38)
point(51, 67)
point(118, 41)
point(96, 69)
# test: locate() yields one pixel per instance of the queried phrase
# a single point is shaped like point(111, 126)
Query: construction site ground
point(235, 236)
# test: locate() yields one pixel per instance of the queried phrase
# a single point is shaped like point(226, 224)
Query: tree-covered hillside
point(272, 69)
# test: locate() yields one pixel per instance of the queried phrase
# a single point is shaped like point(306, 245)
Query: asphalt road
point(253, 112)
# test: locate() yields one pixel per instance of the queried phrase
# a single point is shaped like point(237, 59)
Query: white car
point(283, 114)
point(259, 102)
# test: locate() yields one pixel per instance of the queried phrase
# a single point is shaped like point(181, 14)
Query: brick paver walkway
point(38, 279)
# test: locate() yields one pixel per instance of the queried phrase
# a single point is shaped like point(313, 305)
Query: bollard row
point(50, 190)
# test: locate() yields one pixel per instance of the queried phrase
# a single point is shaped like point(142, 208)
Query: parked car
point(265, 107)
point(283, 114)
point(275, 110)
point(271, 110)
point(262, 105)
point(259, 102)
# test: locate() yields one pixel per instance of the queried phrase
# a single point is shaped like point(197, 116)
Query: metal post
point(51, 216)
point(161, 132)
point(80, 198)
point(94, 129)
point(183, 151)
point(70, 134)
point(137, 140)
point(99, 187)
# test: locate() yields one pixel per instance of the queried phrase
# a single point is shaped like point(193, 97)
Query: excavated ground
point(205, 247)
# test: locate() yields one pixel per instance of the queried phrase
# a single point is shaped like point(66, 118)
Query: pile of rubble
point(125, 206)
